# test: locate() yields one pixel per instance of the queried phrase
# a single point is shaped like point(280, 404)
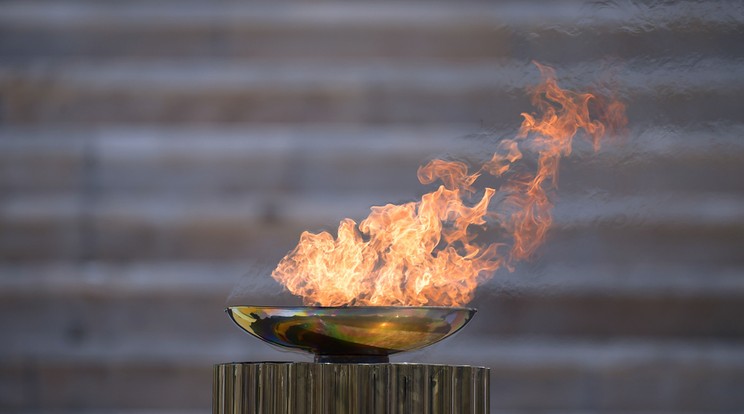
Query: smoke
point(258, 288)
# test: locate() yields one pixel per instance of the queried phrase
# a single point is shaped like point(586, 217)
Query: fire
point(427, 252)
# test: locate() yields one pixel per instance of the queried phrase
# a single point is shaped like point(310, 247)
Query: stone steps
point(703, 230)
point(389, 30)
point(221, 161)
point(377, 162)
point(208, 92)
point(229, 193)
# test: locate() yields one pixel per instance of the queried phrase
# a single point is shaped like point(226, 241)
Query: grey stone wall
point(155, 155)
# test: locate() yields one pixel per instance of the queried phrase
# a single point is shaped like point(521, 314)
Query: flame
point(427, 252)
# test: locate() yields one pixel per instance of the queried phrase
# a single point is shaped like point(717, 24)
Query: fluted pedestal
point(332, 388)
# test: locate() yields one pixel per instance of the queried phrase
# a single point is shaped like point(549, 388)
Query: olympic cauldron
point(351, 372)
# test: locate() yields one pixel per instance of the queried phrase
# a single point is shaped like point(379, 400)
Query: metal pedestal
point(345, 388)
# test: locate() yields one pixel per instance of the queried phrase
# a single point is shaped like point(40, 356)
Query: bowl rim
point(367, 307)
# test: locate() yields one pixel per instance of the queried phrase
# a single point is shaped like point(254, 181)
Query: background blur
point(154, 153)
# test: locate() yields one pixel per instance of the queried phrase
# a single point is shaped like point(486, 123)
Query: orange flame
point(427, 252)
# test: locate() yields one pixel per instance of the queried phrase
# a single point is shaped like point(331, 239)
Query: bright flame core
point(427, 252)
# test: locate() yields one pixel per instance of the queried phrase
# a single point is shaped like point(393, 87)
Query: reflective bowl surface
point(351, 334)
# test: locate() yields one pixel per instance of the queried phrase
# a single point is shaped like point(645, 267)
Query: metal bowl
point(350, 334)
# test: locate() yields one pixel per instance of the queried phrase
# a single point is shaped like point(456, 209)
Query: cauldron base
point(336, 388)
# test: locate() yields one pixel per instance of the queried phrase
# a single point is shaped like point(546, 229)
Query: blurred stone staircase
point(153, 153)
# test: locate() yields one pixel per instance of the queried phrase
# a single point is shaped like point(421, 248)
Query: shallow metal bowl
point(351, 334)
